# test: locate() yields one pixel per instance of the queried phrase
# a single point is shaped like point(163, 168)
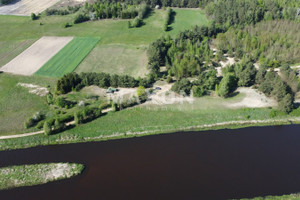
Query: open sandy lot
point(33, 58)
point(26, 7)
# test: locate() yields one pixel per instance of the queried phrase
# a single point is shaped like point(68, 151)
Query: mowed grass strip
point(67, 60)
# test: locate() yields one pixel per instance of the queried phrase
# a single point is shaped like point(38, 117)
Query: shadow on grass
point(234, 94)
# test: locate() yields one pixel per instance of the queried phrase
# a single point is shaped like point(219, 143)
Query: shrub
point(50, 98)
point(169, 79)
point(29, 123)
point(141, 91)
point(286, 104)
point(137, 22)
point(198, 91)
point(33, 16)
point(81, 18)
point(184, 85)
point(47, 128)
point(67, 25)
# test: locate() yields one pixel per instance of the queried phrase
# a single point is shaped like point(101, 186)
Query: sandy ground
point(253, 99)
point(35, 89)
point(33, 58)
point(26, 7)
point(229, 61)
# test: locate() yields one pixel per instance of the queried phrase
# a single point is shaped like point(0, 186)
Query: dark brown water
point(220, 164)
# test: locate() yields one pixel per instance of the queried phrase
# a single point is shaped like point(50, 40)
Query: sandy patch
point(26, 7)
point(35, 89)
point(229, 61)
point(253, 99)
point(33, 58)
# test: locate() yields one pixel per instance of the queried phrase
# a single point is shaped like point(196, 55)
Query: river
point(222, 164)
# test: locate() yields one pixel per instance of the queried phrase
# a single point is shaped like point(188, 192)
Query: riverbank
point(29, 175)
point(139, 122)
point(284, 197)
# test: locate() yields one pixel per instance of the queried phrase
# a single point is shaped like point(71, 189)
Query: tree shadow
point(234, 94)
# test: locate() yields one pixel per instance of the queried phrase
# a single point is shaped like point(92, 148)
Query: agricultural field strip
point(26, 7)
point(69, 57)
point(33, 58)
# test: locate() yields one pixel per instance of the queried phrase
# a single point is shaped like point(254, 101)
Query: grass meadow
point(187, 18)
point(17, 104)
point(116, 59)
point(67, 59)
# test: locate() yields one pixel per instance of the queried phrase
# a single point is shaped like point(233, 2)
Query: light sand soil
point(253, 99)
point(33, 58)
point(35, 89)
point(26, 7)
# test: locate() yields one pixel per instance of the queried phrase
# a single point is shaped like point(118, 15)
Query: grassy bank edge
point(33, 174)
point(201, 128)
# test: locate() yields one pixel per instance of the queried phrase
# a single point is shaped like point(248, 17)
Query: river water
point(221, 164)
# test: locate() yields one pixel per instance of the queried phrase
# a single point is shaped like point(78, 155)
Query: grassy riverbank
point(29, 175)
point(284, 197)
point(143, 120)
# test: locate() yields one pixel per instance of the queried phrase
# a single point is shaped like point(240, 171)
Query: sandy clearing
point(253, 99)
point(229, 61)
point(26, 7)
point(33, 58)
point(35, 89)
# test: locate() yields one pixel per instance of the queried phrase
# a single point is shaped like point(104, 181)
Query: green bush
point(81, 18)
point(47, 128)
point(33, 16)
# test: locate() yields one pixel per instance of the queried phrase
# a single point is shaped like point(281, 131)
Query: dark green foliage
point(168, 19)
point(271, 43)
point(198, 91)
point(67, 83)
point(73, 81)
point(241, 12)
point(137, 22)
point(50, 98)
point(81, 18)
point(32, 121)
point(33, 16)
point(63, 103)
point(227, 85)
point(183, 86)
point(245, 73)
point(47, 128)
point(286, 104)
point(69, 10)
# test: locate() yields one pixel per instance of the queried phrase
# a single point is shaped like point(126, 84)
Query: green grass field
point(186, 19)
point(66, 60)
point(116, 59)
point(17, 104)
point(111, 32)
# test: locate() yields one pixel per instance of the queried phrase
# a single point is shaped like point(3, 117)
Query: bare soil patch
point(33, 58)
point(35, 89)
point(26, 7)
point(253, 99)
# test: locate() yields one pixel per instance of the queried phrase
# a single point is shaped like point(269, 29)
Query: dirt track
point(33, 58)
point(26, 7)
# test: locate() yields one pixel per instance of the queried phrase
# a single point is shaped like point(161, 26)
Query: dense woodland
point(270, 42)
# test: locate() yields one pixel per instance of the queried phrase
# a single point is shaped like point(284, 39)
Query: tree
point(78, 118)
point(47, 128)
point(141, 91)
point(227, 85)
point(286, 104)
